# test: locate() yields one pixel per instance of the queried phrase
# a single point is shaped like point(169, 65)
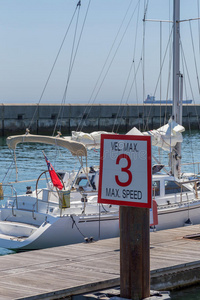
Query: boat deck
point(11, 237)
point(31, 226)
point(83, 268)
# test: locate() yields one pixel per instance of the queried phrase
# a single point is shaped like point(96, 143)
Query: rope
point(74, 223)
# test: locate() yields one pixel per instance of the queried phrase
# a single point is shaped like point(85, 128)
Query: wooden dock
point(84, 268)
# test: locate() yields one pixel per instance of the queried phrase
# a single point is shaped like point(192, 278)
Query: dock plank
point(57, 272)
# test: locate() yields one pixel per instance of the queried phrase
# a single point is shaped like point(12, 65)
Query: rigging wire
point(188, 116)
point(73, 61)
point(136, 90)
point(189, 81)
point(197, 77)
point(52, 68)
point(195, 61)
point(110, 64)
point(104, 65)
point(159, 152)
point(169, 68)
point(186, 68)
point(168, 93)
point(68, 76)
point(133, 82)
point(184, 83)
point(167, 47)
point(168, 84)
point(184, 65)
point(146, 3)
point(198, 9)
point(128, 77)
point(9, 168)
point(191, 143)
point(160, 68)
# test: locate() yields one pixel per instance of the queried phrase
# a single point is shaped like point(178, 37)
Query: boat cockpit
point(166, 190)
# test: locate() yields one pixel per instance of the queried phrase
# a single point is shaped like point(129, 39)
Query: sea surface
point(31, 163)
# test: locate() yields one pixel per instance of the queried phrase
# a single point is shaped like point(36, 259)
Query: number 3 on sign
point(125, 169)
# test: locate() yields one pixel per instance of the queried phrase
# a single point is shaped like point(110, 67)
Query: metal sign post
point(125, 180)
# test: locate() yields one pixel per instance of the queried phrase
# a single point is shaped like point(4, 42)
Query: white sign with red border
point(125, 170)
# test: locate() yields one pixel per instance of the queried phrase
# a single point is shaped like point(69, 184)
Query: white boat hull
point(178, 217)
point(76, 229)
point(59, 231)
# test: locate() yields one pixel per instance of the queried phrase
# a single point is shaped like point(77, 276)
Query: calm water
point(192, 293)
point(31, 163)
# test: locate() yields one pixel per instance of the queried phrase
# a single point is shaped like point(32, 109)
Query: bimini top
point(76, 148)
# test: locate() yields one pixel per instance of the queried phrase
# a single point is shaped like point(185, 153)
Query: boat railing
point(188, 164)
point(12, 194)
point(192, 164)
point(45, 201)
point(195, 190)
point(179, 189)
point(35, 210)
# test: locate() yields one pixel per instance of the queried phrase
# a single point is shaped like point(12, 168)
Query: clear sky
point(32, 31)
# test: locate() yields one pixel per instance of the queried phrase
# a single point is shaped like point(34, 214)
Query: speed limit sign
point(125, 170)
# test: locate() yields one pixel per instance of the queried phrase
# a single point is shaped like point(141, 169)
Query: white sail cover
point(90, 140)
point(134, 131)
point(76, 148)
point(167, 136)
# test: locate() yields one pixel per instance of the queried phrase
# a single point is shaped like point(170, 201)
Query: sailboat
point(49, 217)
point(176, 193)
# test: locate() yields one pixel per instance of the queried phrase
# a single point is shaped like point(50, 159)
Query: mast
point(176, 109)
point(176, 61)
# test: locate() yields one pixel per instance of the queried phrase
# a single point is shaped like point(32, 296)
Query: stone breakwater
point(15, 118)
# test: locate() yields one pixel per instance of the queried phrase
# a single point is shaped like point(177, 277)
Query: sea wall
point(41, 119)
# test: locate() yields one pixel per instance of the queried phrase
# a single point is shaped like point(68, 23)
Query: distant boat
point(151, 100)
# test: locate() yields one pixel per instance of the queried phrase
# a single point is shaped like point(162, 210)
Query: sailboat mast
point(176, 110)
point(176, 61)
